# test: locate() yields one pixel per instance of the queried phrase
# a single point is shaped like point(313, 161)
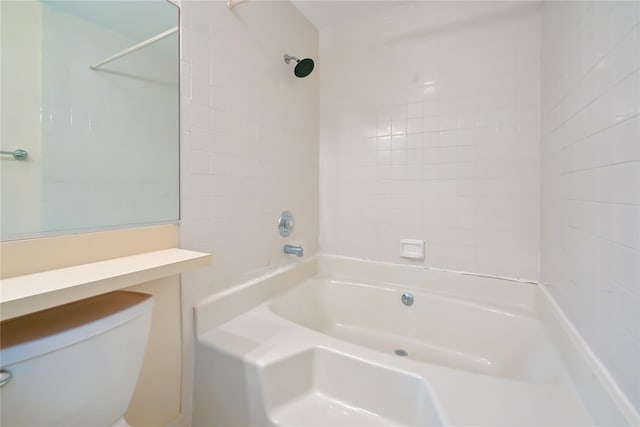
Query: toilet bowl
point(76, 364)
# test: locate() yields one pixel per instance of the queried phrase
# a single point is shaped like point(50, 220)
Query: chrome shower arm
point(288, 58)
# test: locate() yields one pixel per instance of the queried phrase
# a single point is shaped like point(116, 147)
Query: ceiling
point(329, 13)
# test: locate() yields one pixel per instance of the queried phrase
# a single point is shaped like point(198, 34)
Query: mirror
point(102, 137)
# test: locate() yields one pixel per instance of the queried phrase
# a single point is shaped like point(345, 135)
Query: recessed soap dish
point(412, 249)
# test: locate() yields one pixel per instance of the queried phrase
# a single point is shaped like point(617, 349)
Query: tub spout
point(293, 250)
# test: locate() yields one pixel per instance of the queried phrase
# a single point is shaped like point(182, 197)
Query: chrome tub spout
point(293, 250)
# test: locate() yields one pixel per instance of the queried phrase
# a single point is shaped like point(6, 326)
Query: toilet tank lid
point(37, 333)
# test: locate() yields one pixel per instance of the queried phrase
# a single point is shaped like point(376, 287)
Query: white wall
point(590, 174)
point(429, 130)
point(249, 137)
point(249, 144)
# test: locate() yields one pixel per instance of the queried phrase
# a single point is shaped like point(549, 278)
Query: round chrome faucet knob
point(407, 298)
point(286, 223)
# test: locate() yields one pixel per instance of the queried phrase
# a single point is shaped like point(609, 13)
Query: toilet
point(76, 364)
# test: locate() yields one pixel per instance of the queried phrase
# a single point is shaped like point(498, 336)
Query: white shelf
point(32, 292)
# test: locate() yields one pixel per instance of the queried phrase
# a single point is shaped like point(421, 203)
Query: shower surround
point(430, 129)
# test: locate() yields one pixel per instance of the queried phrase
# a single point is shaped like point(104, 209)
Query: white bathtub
point(331, 343)
point(454, 332)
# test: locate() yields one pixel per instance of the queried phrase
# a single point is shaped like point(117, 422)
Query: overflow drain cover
point(401, 352)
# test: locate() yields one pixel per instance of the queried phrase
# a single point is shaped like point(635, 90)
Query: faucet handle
point(286, 223)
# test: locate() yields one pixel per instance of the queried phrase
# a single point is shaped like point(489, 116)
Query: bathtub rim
point(239, 298)
point(221, 307)
point(600, 392)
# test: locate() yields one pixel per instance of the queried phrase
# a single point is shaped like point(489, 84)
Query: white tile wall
point(430, 130)
point(590, 174)
point(249, 144)
point(249, 136)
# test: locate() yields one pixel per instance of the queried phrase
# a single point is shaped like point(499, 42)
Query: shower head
point(304, 67)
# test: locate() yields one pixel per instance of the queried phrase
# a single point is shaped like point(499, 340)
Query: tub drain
point(401, 352)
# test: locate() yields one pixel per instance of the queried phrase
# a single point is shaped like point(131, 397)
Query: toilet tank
point(76, 364)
